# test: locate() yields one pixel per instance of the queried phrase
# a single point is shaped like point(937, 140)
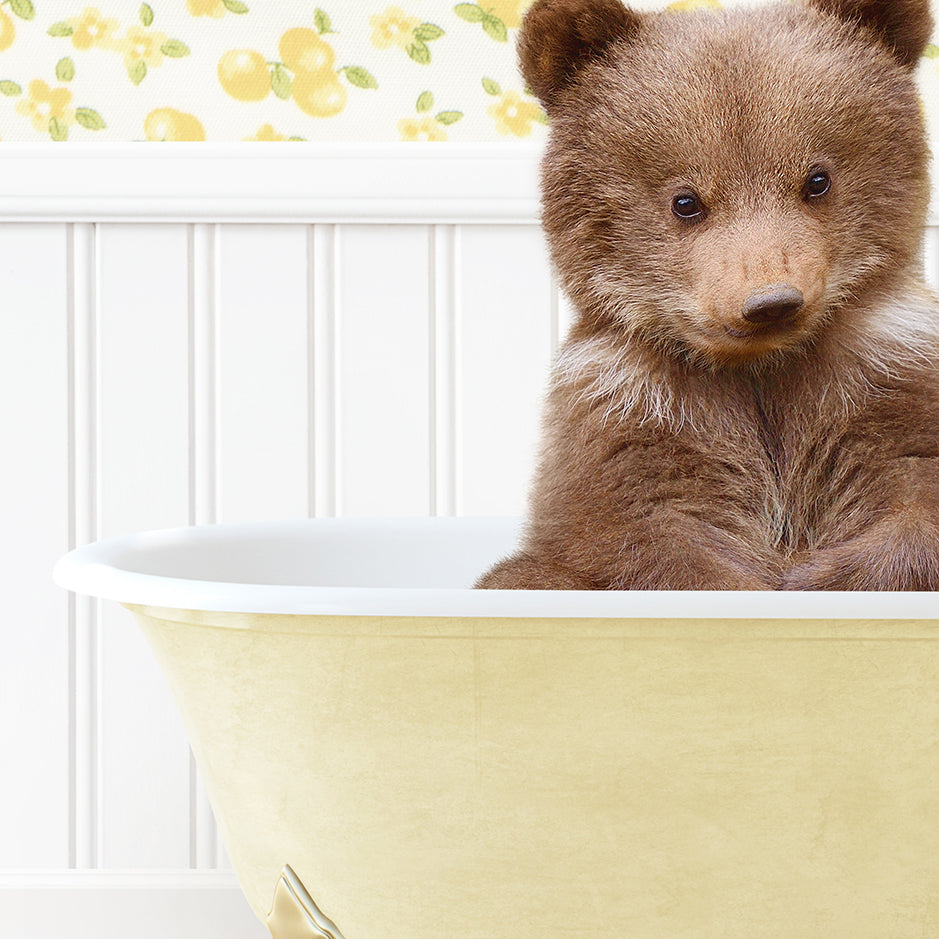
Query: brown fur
point(686, 447)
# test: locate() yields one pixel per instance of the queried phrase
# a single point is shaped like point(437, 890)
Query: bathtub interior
point(429, 553)
point(400, 567)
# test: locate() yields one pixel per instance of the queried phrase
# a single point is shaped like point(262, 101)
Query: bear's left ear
point(904, 26)
point(559, 37)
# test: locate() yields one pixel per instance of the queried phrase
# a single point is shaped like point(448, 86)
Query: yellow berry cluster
point(306, 72)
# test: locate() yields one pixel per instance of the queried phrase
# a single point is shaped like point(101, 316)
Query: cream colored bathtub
point(431, 762)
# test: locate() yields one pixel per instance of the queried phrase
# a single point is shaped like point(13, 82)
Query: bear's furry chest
point(784, 458)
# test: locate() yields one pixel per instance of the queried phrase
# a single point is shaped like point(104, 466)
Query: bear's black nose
point(772, 304)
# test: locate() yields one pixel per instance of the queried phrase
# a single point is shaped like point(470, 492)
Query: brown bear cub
point(735, 204)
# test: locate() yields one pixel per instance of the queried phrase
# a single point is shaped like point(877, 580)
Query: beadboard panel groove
point(82, 312)
point(203, 482)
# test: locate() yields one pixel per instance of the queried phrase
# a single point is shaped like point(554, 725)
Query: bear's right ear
point(903, 26)
point(559, 37)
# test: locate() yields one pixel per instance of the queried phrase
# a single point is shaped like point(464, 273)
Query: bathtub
point(391, 755)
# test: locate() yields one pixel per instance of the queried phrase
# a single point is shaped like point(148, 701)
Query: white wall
point(219, 334)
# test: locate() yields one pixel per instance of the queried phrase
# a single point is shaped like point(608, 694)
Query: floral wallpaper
point(228, 70)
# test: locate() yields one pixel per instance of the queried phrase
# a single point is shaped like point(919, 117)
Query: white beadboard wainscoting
point(201, 334)
point(205, 333)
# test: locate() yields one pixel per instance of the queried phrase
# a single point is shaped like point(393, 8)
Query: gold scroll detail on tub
point(294, 915)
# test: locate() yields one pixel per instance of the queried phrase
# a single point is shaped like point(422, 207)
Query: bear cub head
point(724, 187)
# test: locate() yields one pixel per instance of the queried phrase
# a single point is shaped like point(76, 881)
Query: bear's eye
point(817, 184)
point(687, 205)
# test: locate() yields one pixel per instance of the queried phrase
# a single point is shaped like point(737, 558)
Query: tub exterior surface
point(432, 778)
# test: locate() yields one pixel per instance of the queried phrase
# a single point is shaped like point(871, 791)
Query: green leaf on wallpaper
point(470, 12)
point(931, 51)
point(448, 117)
point(427, 32)
point(137, 72)
point(419, 52)
point(359, 77)
point(323, 22)
point(146, 14)
point(65, 70)
point(10, 89)
point(89, 119)
point(281, 82)
point(57, 131)
point(233, 6)
point(60, 29)
point(425, 102)
point(491, 87)
point(174, 48)
point(494, 27)
point(23, 9)
point(541, 117)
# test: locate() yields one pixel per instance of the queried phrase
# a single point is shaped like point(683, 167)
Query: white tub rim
point(115, 569)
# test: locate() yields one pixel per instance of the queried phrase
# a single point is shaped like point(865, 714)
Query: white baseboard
point(125, 905)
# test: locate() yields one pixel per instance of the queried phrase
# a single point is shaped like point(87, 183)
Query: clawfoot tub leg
point(294, 915)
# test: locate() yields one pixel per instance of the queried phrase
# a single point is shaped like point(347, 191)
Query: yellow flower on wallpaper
point(141, 45)
point(50, 110)
point(47, 107)
point(392, 28)
point(427, 128)
point(421, 128)
point(395, 28)
point(170, 124)
point(92, 29)
point(514, 116)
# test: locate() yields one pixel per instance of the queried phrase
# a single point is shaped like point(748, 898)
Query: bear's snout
point(758, 284)
point(773, 304)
